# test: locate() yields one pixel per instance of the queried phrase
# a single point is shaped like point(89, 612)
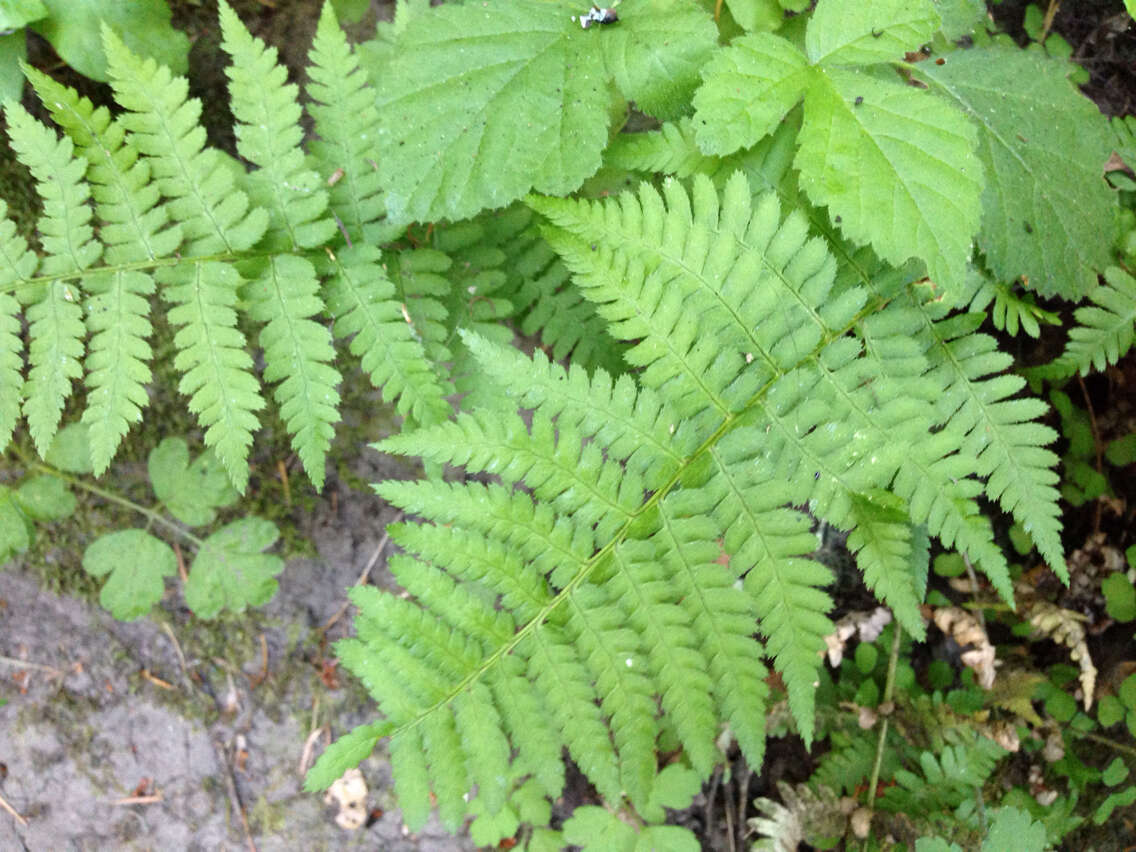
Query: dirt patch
point(159, 733)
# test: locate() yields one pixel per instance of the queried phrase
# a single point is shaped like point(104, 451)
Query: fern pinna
point(603, 592)
point(273, 250)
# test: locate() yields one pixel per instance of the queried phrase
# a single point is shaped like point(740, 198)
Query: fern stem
point(151, 515)
point(1105, 741)
point(889, 692)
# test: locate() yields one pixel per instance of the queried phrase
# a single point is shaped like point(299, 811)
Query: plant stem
point(889, 691)
point(153, 516)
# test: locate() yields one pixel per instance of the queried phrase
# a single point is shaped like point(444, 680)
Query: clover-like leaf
point(230, 571)
point(192, 492)
point(46, 498)
point(15, 534)
point(137, 563)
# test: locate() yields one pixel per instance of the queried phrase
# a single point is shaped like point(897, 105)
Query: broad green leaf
point(192, 492)
point(230, 572)
point(46, 498)
point(1119, 596)
point(756, 15)
point(350, 11)
point(19, 13)
point(1047, 212)
point(748, 88)
point(868, 31)
point(896, 168)
point(13, 51)
point(960, 17)
point(136, 563)
point(483, 102)
point(655, 58)
point(73, 28)
point(70, 450)
point(15, 535)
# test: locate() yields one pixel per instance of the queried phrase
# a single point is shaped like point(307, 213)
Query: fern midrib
point(229, 257)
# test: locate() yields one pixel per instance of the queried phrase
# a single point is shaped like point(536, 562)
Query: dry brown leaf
point(965, 630)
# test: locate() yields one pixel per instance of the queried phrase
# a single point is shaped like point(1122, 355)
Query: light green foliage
point(1047, 212)
point(646, 500)
point(1119, 597)
point(191, 492)
point(136, 563)
point(481, 103)
point(72, 27)
point(1105, 330)
point(895, 166)
point(1010, 828)
point(230, 571)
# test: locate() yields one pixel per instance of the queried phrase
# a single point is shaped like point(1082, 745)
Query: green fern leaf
point(343, 110)
point(524, 100)
point(215, 219)
point(671, 150)
point(347, 751)
point(1047, 210)
point(1000, 433)
point(284, 293)
point(881, 541)
point(17, 264)
point(56, 319)
point(136, 229)
point(1105, 332)
point(359, 296)
point(218, 377)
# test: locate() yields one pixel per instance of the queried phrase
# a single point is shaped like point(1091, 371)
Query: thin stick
point(139, 800)
point(4, 804)
point(974, 588)
point(24, 664)
point(1047, 23)
point(889, 691)
point(234, 796)
point(362, 576)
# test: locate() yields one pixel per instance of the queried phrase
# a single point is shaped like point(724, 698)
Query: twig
point(363, 575)
point(889, 691)
point(1096, 446)
point(15, 815)
point(180, 655)
point(974, 588)
point(234, 796)
point(309, 746)
point(139, 800)
point(743, 797)
point(1047, 22)
point(24, 664)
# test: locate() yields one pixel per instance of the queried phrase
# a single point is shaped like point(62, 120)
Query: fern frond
point(218, 379)
point(635, 424)
point(56, 318)
point(346, 121)
point(944, 781)
point(284, 293)
point(196, 181)
point(135, 228)
point(881, 541)
point(360, 298)
point(216, 220)
point(1000, 433)
point(670, 150)
point(1105, 332)
point(17, 264)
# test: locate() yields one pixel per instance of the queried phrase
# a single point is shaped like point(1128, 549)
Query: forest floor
point(172, 733)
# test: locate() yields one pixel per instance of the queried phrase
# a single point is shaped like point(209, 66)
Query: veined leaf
point(749, 87)
point(230, 572)
point(481, 103)
point(895, 167)
point(136, 562)
point(868, 31)
point(1047, 211)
